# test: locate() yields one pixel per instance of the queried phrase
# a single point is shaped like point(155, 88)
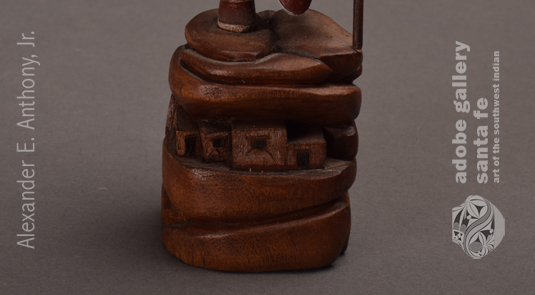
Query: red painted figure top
point(240, 15)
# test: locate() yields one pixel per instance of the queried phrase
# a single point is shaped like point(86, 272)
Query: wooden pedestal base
point(260, 141)
point(307, 226)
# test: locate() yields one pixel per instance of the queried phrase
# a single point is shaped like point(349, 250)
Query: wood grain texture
point(216, 192)
point(342, 142)
point(317, 36)
point(309, 239)
point(204, 35)
point(321, 105)
point(275, 68)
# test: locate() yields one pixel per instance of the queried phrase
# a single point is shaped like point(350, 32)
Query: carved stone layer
point(308, 239)
point(276, 68)
point(215, 192)
point(321, 105)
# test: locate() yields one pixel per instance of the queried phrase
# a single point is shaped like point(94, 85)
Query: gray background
point(102, 96)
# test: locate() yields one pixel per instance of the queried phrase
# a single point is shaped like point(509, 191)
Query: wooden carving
point(260, 141)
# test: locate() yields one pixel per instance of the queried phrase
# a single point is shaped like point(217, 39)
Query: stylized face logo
point(477, 226)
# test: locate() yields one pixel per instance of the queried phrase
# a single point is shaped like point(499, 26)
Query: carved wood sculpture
point(260, 143)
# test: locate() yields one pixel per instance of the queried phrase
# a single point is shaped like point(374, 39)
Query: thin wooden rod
point(358, 23)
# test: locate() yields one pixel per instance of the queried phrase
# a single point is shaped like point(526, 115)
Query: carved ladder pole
point(358, 23)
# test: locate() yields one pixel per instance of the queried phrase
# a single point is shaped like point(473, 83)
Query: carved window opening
point(191, 145)
point(219, 142)
point(303, 159)
point(259, 143)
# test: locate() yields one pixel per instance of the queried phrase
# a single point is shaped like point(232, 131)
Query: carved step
point(309, 239)
point(321, 105)
point(213, 191)
point(278, 68)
